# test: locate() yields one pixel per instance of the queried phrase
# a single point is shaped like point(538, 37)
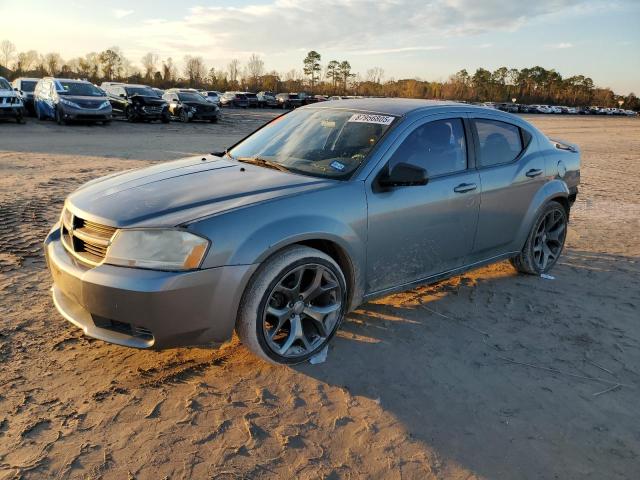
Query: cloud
point(120, 13)
point(397, 50)
point(561, 45)
point(360, 27)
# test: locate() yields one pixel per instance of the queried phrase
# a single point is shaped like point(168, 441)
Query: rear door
point(511, 172)
point(416, 232)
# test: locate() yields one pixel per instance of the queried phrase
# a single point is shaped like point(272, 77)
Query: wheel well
point(564, 202)
point(341, 258)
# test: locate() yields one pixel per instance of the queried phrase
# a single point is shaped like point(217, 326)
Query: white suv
point(11, 105)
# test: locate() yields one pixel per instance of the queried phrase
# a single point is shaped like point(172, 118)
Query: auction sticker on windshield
point(369, 118)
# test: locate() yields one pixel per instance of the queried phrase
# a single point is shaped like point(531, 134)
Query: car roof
point(390, 106)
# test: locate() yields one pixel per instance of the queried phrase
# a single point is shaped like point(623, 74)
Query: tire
point(59, 119)
point(545, 241)
point(214, 120)
point(273, 286)
point(184, 116)
point(165, 118)
point(129, 114)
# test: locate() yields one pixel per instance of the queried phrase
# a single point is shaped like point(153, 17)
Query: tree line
point(336, 77)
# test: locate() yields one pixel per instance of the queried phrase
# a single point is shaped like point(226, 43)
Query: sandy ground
point(487, 375)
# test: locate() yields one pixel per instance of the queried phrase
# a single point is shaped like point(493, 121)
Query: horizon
point(581, 37)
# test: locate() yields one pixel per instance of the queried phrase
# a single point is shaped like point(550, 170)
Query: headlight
point(104, 104)
point(64, 101)
point(157, 249)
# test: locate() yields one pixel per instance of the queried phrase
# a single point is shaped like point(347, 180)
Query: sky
point(426, 39)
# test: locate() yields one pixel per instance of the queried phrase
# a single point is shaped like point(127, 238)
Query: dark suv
point(136, 102)
point(187, 105)
point(288, 100)
point(234, 99)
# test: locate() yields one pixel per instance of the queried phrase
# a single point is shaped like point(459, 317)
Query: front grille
point(85, 239)
point(152, 109)
point(88, 104)
point(122, 327)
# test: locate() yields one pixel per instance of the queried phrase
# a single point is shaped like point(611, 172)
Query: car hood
point(179, 192)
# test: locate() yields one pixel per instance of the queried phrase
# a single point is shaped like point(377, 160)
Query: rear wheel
point(293, 306)
point(545, 241)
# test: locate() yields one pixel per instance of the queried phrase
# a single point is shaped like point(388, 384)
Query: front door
point(417, 232)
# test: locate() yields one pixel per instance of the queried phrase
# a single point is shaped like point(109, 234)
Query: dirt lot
point(487, 375)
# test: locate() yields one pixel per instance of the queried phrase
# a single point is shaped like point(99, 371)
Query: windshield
point(190, 97)
point(144, 91)
point(27, 85)
point(4, 85)
point(319, 142)
point(80, 89)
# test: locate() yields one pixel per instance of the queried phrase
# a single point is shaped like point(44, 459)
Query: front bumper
point(204, 115)
point(146, 308)
point(86, 114)
point(11, 112)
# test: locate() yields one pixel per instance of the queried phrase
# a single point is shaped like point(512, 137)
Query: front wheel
point(184, 116)
point(130, 114)
point(59, 117)
point(293, 306)
point(545, 241)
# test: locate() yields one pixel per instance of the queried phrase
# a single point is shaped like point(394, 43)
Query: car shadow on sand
point(506, 375)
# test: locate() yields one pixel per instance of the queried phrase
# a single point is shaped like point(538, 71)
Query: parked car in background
point(11, 105)
point(212, 96)
point(298, 224)
point(307, 99)
point(234, 99)
point(541, 108)
point(25, 87)
point(288, 100)
point(187, 105)
point(252, 99)
point(630, 113)
point(65, 99)
point(555, 109)
point(267, 99)
point(136, 102)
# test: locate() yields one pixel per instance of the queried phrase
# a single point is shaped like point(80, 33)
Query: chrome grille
point(85, 239)
point(152, 109)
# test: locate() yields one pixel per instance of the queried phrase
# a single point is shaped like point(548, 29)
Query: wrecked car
point(320, 210)
point(11, 105)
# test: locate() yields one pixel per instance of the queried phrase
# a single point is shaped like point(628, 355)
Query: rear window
point(500, 142)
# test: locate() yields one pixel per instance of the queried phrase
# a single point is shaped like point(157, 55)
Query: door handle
point(534, 172)
point(465, 187)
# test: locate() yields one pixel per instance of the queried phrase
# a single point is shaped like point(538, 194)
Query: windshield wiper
point(263, 162)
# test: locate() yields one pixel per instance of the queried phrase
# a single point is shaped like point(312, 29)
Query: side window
point(439, 147)
point(500, 142)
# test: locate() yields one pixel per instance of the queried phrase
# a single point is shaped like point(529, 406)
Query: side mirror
point(404, 175)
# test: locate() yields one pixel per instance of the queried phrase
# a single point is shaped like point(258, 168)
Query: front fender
point(554, 189)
